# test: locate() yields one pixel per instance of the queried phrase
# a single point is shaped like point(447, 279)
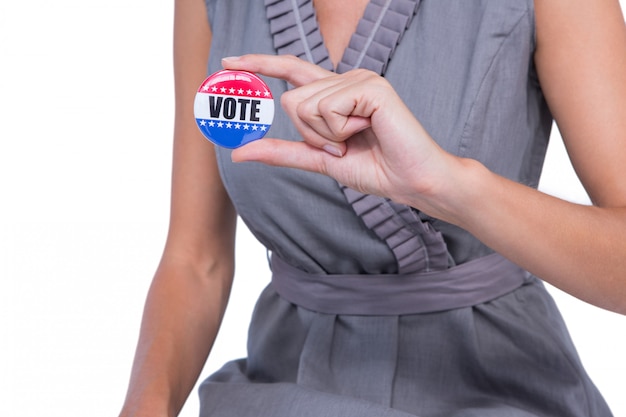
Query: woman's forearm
point(579, 249)
point(182, 314)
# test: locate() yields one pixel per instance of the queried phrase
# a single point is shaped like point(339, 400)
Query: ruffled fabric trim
point(295, 31)
point(417, 246)
point(378, 34)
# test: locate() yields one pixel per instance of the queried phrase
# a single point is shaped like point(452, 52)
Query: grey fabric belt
point(471, 283)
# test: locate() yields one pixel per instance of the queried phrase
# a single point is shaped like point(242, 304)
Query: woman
point(402, 226)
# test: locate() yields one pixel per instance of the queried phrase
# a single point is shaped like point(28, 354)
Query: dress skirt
point(509, 357)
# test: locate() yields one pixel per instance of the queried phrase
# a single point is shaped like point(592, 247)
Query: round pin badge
point(233, 108)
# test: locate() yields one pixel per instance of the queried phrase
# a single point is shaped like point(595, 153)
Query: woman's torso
point(464, 68)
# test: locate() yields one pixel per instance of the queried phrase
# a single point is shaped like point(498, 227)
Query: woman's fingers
point(325, 107)
point(278, 152)
point(331, 110)
point(354, 170)
point(309, 78)
point(331, 106)
point(286, 67)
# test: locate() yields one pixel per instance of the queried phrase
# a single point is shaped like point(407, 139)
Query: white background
point(85, 143)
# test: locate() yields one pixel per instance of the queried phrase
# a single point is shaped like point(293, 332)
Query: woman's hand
point(356, 129)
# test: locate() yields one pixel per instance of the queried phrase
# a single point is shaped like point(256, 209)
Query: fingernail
point(230, 58)
point(333, 150)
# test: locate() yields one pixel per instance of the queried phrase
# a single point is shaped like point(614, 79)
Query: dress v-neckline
point(293, 24)
point(295, 31)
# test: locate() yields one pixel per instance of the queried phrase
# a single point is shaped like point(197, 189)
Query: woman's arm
point(190, 289)
point(581, 59)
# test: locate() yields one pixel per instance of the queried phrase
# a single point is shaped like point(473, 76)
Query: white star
point(249, 92)
point(257, 93)
point(231, 91)
point(229, 125)
point(266, 94)
point(220, 124)
point(246, 127)
point(254, 127)
point(240, 91)
point(211, 123)
point(205, 88)
point(263, 128)
point(202, 122)
point(214, 89)
point(223, 90)
point(237, 126)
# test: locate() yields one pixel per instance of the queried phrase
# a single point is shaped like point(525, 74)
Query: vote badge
point(233, 108)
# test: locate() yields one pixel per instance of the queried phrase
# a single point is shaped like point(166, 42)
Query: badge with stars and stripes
point(233, 108)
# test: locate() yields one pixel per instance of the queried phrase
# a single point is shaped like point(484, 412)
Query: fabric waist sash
point(471, 283)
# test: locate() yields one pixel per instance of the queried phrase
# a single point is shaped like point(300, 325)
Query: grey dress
point(465, 69)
